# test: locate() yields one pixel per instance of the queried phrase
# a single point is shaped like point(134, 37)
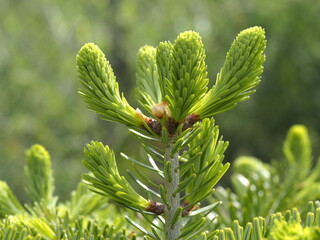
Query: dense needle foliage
point(183, 147)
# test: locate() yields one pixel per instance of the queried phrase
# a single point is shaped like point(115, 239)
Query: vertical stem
point(172, 232)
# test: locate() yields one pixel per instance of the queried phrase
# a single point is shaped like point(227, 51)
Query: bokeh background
point(39, 103)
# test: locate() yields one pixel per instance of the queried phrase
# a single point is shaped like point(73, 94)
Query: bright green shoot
point(183, 144)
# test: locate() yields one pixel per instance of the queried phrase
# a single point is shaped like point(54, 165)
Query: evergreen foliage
point(187, 80)
point(147, 78)
point(184, 148)
point(191, 152)
point(9, 205)
point(239, 75)
point(107, 181)
point(260, 189)
point(278, 227)
point(89, 216)
point(85, 216)
point(100, 89)
point(39, 180)
point(37, 72)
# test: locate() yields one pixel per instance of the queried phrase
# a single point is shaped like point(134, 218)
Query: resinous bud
point(160, 109)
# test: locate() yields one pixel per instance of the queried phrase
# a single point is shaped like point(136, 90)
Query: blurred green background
point(39, 103)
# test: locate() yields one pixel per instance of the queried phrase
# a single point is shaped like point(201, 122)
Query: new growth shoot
point(175, 127)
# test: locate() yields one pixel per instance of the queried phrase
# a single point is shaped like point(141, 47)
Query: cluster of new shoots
point(177, 129)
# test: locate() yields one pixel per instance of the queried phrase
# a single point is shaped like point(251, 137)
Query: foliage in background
point(88, 216)
point(84, 216)
point(175, 129)
point(261, 189)
point(286, 226)
point(38, 43)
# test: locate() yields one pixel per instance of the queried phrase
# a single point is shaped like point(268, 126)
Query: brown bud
point(160, 109)
point(155, 207)
point(190, 120)
point(154, 125)
point(172, 125)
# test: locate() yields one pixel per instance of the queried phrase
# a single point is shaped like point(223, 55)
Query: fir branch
point(106, 180)
point(187, 81)
point(298, 152)
point(172, 85)
point(239, 75)
point(39, 177)
point(149, 93)
point(100, 89)
point(163, 57)
point(208, 167)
